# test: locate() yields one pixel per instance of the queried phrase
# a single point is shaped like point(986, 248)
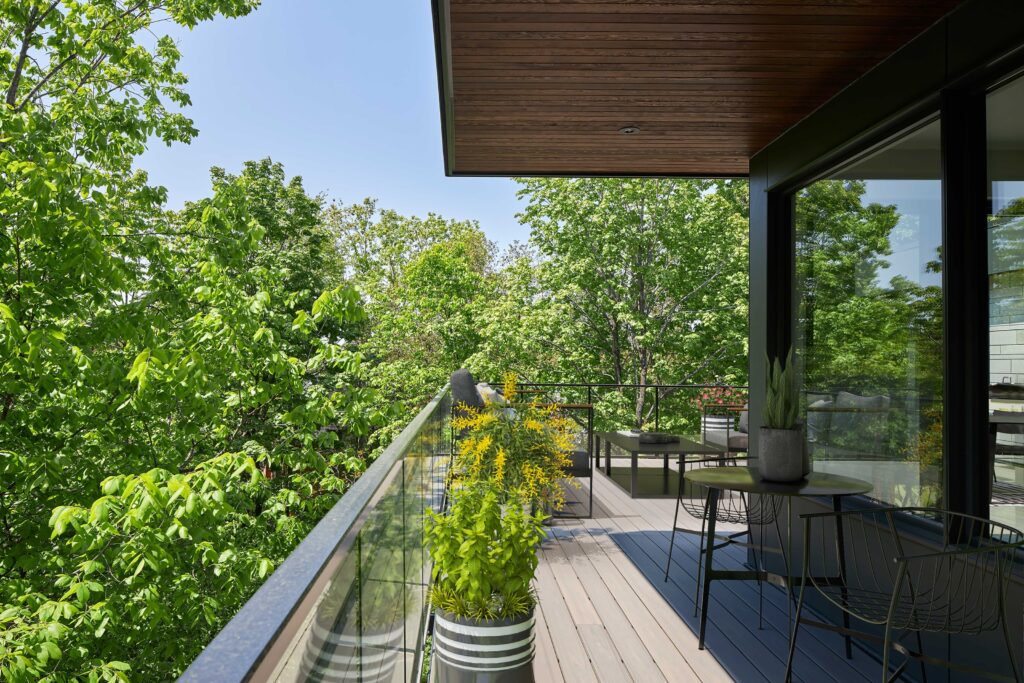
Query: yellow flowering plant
point(507, 474)
point(523, 447)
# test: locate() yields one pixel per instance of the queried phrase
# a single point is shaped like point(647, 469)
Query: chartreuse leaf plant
point(484, 553)
point(506, 472)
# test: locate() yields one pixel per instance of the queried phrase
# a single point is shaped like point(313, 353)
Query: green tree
point(648, 275)
point(523, 329)
point(179, 399)
point(210, 425)
point(841, 258)
point(425, 282)
point(865, 330)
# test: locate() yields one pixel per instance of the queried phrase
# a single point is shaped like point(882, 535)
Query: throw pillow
point(489, 394)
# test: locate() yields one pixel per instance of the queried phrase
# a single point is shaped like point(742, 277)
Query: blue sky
point(343, 93)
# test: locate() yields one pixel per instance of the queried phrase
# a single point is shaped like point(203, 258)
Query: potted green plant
point(506, 473)
point(781, 449)
point(485, 554)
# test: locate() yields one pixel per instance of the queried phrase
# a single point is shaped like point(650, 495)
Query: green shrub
point(484, 553)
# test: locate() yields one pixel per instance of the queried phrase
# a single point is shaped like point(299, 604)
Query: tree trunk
point(643, 363)
point(12, 90)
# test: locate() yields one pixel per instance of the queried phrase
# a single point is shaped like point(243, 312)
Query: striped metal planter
point(471, 651)
point(717, 423)
point(333, 657)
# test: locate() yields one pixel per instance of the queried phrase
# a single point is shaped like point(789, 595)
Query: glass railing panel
point(377, 634)
point(362, 616)
point(330, 644)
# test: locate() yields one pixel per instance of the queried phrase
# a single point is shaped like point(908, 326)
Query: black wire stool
point(955, 583)
point(734, 509)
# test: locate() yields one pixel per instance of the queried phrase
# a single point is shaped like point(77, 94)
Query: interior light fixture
point(629, 130)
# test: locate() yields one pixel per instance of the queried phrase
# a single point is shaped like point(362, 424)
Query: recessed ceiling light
point(629, 130)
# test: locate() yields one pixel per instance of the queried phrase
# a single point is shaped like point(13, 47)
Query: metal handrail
point(592, 386)
point(605, 385)
point(243, 648)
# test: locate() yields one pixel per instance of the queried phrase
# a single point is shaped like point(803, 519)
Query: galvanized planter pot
point(781, 456)
point(332, 657)
point(472, 651)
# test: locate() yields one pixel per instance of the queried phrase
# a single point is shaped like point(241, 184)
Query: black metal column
point(781, 274)
point(965, 302)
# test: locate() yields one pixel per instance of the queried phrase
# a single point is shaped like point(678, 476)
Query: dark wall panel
point(943, 67)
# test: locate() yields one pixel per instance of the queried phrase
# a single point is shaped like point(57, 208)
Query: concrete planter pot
point(781, 455)
point(474, 651)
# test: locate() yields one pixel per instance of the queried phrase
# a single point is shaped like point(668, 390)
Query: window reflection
point(869, 323)
point(1006, 301)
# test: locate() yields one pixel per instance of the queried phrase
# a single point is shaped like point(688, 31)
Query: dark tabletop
point(631, 444)
point(747, 480)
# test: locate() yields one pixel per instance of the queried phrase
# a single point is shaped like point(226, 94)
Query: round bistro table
point(747, 480)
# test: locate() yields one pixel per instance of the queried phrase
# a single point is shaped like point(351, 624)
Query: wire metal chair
point(733, 508)
point(955, 582)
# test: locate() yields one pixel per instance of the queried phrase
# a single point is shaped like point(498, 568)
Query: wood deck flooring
point(607, 614)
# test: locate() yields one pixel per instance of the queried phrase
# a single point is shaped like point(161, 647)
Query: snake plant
point(780, 404)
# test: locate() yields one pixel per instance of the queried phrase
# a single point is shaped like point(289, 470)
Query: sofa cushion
point(854, 412)
point(580, 465)
point(819, 420)
point(744, 425)
point(845, 399)
point(464, 390)
point(858, 417)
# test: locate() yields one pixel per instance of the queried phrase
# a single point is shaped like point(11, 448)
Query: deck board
point(608, 615)
point(546, 661)
point(573, 659)
point(627, 643)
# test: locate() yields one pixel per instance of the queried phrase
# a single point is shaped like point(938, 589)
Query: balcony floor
point(606, 613)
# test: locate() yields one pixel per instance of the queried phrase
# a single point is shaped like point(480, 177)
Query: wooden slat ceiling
point(533, 87)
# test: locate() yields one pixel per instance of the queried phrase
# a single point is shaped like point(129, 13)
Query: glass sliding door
point(1005, 130)
point(869, 339)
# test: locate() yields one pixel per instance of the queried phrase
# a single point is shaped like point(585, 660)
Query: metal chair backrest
point(929, 570)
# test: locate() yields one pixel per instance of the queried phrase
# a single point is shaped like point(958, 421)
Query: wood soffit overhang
point(544, 87)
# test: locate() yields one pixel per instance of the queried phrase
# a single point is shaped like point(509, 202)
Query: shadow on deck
point(607, 613)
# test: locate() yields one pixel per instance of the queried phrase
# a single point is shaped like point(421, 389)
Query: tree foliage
point(638, 281)
point(871, 331)
point(187, 437)
point(424, 283)
point(184, 394)
point(179, 399)
point(633, 281)
point(856, 328)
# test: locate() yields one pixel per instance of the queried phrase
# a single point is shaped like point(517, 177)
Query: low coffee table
point(631, 444)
